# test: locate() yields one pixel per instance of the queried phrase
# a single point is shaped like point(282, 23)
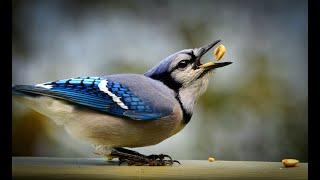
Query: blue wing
point(96, 93)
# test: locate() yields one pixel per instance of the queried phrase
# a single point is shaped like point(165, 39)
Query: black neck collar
point(168, 81)
point(186, 115)
point(175, 86)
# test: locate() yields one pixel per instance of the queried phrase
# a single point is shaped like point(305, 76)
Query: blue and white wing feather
point(99, 94)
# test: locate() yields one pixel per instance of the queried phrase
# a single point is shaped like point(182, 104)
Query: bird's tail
point(34, 98)
point(23, 94)
point(24, 90)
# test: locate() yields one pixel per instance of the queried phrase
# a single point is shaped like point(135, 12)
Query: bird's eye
point(182, 64)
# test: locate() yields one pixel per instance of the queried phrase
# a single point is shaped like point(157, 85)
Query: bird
point(120, 111)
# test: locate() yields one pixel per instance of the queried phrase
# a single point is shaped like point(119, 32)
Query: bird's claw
point(136, 159)
point(153, 160)
point(159, 160)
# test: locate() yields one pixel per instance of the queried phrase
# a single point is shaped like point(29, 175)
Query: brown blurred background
point(254, 109)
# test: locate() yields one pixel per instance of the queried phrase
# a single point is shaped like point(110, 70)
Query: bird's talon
point(176, 161)
point(137, 159)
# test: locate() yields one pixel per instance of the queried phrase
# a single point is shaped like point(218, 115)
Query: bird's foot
point(159, 160)
point(137, 159)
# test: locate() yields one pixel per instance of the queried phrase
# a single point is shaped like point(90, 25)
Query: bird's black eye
point(182, 64)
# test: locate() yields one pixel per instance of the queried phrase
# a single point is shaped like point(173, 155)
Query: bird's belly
point(102, 129)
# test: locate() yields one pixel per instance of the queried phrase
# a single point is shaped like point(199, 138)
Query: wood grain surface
point(98, 168)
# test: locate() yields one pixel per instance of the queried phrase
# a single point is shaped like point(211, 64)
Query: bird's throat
point(186, 114)
point(187, 97)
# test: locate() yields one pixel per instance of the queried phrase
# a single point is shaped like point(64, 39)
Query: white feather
point(44, 86)
point(103, 87)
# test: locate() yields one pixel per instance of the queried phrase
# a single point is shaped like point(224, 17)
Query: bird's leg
point(135, 158)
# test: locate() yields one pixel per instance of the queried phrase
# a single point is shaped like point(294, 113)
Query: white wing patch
point(43, 85)
point(103, 87)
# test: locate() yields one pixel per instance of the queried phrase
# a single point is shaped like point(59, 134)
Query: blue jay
point(126, 110)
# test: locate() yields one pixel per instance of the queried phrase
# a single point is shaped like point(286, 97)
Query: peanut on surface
point(211, 159)
point(290, 162)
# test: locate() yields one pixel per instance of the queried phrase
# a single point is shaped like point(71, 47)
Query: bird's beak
point(210, 65)
point(214, 65)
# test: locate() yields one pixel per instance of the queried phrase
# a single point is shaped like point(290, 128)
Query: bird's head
point(184, 69)
point(184, 73)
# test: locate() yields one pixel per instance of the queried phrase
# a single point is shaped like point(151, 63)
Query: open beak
point(210, 65)
point(213, 65)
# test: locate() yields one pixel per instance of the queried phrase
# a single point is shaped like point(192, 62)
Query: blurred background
point(254, 109)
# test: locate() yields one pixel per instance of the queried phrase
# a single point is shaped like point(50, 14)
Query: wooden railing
point(96, 168)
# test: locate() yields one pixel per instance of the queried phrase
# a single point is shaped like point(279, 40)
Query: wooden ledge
point(98, 168)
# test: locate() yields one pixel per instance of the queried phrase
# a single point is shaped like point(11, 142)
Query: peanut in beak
point(218, 54)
